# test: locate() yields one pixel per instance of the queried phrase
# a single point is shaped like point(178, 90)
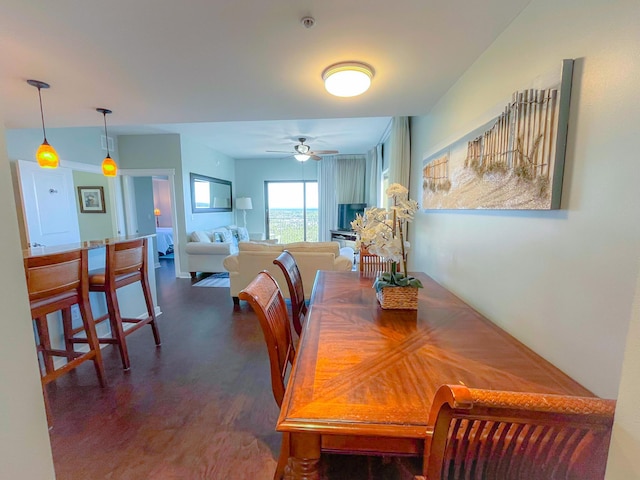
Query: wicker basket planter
point(398, 298)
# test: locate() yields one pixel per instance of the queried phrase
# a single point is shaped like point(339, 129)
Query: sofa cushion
point(259, 247)
point(226, 234)
point(328, 247)
point(200, 236)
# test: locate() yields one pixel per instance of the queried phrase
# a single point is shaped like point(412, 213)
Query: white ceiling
point(242, 76)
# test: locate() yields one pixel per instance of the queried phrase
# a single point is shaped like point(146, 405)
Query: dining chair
point(371, 263)
point(289, 267)
point(479, 434)
point(126, 263)
point(265, 297)
point(56, 282)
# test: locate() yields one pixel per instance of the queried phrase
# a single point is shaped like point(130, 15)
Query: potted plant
point(381, 232)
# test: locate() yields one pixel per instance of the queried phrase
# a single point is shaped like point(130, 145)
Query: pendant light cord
point(44, 134)
point(106, 135)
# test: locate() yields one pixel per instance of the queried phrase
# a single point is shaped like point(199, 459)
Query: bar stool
point(126, 263)
point(56, 282)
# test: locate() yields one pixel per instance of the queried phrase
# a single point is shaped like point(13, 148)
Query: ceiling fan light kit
point(347, 79)
point(301, 157)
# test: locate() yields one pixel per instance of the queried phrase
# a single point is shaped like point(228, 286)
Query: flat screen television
point(347, 213)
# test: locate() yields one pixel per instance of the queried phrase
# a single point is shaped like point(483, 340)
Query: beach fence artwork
point(514, 161)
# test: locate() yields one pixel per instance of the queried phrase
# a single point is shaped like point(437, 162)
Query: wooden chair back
point(126, 258)
point(49, 276)
point(371, 263)
point(480, 434)
point(289, 267)
point(265, 297)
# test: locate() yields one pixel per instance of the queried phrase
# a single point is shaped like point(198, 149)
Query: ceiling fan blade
point(315, 157)
point(323, 152)
point(279, 151)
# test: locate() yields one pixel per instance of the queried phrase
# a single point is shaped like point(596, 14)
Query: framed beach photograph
point(91, 199)
point(515, 161)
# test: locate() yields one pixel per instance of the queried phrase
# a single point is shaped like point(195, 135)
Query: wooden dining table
point(364, 378)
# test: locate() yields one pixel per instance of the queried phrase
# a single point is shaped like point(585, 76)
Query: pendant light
point(46, 155)
point(109, 167)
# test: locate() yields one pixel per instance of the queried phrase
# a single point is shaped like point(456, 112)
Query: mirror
point(210, 194)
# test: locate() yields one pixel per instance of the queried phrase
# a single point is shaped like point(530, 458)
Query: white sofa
point(253, 257)
point(207, 249)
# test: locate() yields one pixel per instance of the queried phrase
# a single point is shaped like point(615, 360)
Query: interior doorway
point(143, 210)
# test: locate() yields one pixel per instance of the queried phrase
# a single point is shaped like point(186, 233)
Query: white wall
point(560, 281)
point(25, 451)
point(625, 443)
point(250, 178)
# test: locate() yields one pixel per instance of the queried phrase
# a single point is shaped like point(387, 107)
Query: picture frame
point(91, 199)
point(515, 161)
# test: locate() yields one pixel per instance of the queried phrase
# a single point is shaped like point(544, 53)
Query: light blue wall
point(81, 145)
point(200, 159)
point(560, 281)
point(251, 175)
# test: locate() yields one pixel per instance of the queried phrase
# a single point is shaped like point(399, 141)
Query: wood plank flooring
point(198, 407)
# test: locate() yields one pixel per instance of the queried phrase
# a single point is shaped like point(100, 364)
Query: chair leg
point(67, 328)
point(47, 407)
point(43, 333)
point(92, 340)
point(117, 332)
point(146, 290)
point(283, 458)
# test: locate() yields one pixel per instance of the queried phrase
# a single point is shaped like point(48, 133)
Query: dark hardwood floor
point(198, 407)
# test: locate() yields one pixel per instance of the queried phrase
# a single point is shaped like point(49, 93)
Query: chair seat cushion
point(97, 277)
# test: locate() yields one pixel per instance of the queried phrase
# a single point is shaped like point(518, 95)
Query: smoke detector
point(308, 22)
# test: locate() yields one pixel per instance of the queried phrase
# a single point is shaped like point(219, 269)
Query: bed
point(164, 236)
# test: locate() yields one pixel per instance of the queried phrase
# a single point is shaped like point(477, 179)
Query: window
point(292, 211)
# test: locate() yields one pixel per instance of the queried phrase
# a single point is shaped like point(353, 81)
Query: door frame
point(128, 202)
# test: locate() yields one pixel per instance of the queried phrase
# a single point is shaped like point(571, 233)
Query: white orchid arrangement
point(381, 231)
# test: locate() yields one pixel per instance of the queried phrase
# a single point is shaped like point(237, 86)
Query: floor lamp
point(244, 204)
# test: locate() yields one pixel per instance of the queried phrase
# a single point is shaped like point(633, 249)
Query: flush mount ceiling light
point(46, 155)
point(109, 167)
point(347, 79)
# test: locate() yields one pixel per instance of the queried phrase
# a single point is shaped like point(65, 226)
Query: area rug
point(214, 280)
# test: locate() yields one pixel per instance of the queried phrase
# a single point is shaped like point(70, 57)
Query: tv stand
point(346, 238)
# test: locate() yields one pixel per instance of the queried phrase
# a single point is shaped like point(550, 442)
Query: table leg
point(305, 459)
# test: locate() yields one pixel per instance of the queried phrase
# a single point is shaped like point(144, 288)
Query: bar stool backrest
point(55, 274)
point(127, 257)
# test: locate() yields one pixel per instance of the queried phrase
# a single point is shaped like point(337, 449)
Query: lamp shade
point(156, 212)
point(244, 203)
point(47, 156)
point(301, 157)
point(109, 167)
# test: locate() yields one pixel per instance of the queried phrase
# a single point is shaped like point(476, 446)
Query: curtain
point(374, 175)
point(350, 177)
point(327, 208)
point(400, 146)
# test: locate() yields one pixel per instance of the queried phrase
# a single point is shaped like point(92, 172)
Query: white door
point(49, 205)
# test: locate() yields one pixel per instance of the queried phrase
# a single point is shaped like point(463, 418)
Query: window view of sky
point(290, 195)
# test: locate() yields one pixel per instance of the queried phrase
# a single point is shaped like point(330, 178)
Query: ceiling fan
point(303, 152)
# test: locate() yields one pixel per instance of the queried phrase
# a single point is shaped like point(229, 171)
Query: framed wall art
point(515, 161)
point(91, 199)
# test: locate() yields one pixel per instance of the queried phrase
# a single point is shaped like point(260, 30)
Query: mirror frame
point(193, 178)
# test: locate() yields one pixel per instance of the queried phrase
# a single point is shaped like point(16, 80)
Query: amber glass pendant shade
point(47, 156)
point(109, 167)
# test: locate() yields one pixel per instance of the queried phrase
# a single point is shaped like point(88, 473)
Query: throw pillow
point(243, 234)
point(200, 236)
